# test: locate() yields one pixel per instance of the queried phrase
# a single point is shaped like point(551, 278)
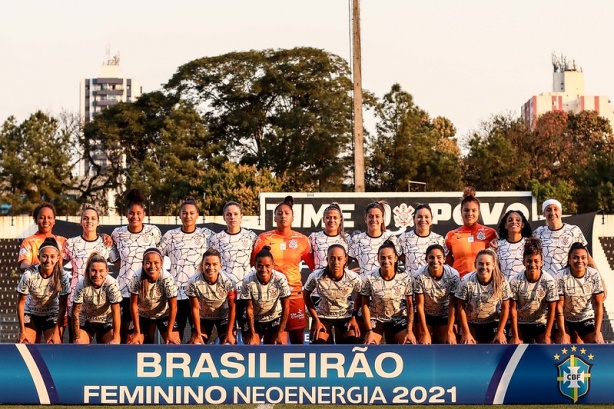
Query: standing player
point(267, 296)
point(387, 305)
point(415, 242)
point(235, 245)
point(334, 317)
point(534, 298)
point(579, 310)
point(364, 246)
point(434, 288)
point(185, 247)
point(77, 251)
point(96, 304)
point(130, 242)
point(465, 242)
point(483, 301)
point(43, 291)
point(44, 217)
point(514, 228)
point(557, 238)
point(153, 301)
point(212, 300)
point(332, 234)
point(288, 248)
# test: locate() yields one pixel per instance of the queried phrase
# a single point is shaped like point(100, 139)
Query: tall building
point(96, 95)
point(108, 89)
point(567, 95)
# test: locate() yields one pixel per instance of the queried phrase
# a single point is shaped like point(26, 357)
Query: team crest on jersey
point(566, 239)
point(481, 235)
point(403, 215)
point(244, 242)
point(293, 244)
point(574, 372)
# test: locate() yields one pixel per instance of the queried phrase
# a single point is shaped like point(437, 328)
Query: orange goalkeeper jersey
point(288, 250)
point(464, 244)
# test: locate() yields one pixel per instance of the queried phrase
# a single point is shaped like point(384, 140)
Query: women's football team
point(475, 285)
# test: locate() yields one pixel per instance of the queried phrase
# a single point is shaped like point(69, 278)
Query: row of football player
point(349, 308)
point(185, 245)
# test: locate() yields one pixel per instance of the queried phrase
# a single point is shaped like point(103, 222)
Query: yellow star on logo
point(590, 357)
point(583, 351)
point(564, 351)
point(556, 357)
point(573, 348)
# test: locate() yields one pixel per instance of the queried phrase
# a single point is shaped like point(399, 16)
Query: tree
point(241, 183)
point(157, 144)
point(566, 155)
point(35, 164)
point(409, 146)
point(286, 110)
point(496, 160)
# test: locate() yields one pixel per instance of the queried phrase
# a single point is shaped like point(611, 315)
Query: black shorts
point(436, 321)
point(184, 313)
point(485, 333)
point(124, 306)
point(160, 323)
point(582, 328)
point(206, 328)
point(338, 323)
point(41, 322)
point(96, 329)
point(394, 326)
point(530, 332)
point(263, 328)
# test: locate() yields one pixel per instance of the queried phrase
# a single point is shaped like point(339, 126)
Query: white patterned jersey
point(556, 245)
point(212, 298)
point(320, 242)
point(236, 250)
point(578, 293)
point(336, 296)
point(185, 251)
point(532, 298)
point(387, 296)
point(364, 249)
point(129, 248)
point(436, 291)
point(414, 246)
point(510, 256)
point(155, 303)
point(42, 298)
point(481, 305)
point(96, 302)
point(77, 250)
point(266, 298)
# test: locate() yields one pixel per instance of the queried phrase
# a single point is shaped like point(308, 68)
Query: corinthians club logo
point(574, 372)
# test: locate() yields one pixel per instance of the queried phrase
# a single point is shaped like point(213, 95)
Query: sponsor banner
point(309, 208)
point(350, 375)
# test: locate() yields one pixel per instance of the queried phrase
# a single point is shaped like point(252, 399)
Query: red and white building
point(567, 95)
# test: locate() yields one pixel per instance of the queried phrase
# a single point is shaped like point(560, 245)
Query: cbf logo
point(574, 373)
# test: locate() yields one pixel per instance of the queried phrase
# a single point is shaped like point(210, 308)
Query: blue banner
point(383, 374)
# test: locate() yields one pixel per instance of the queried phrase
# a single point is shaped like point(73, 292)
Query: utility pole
point(359, 152)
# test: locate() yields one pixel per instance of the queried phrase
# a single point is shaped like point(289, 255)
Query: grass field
point(329, 406)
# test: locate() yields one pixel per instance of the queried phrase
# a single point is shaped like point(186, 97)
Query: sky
point(465, 60)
